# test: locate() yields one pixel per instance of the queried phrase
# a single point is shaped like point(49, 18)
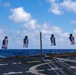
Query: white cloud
point(31, 24)
point(2, 33)
point(7, 4)
point(51, 29)
point(65, 34)
point(74, 30)
point(69, 5)
point(31, 28)
point(45, 26)
point(46, 31)
point(62, 39)
point(55, 10)
point(4, 4)
point(60, 32)
point(57, 29)
point(73, 21)
point(59, 7)
point(19, 15)
point(55, 7)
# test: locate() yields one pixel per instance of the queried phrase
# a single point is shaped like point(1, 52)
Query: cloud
point(51, 29)
point(45, 28)
point(57, 29)
point(55, 7)
point(65, 34)
point(61, 39)
point(2, 33)
point(75, 31)
point(69, 5)
point(19, 15)
point(7, 4)
point(58, 8)
point(32, 28)
point(31, 24)
point(73, 21)
point(4, 4)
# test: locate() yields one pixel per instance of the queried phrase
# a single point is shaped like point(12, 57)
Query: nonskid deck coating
point(37, 66)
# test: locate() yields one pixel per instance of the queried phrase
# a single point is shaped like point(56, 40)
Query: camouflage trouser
point(73, 42)
point(25, 45)
point(4, 46)
point(53, 43)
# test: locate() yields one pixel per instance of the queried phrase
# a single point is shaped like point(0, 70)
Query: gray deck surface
point(38, 66)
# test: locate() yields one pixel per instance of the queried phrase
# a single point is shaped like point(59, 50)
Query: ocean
point(32, 52)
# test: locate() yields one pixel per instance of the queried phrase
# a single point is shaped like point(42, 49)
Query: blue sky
point(30, 17)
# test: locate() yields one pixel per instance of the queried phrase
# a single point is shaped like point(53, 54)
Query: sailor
point(72, 40)
point(25, 41)
point(52, 38)
point(5, 43)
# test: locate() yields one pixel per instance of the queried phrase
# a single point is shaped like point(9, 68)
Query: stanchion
point(40, 44)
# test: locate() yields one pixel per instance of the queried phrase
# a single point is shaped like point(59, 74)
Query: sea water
point(32, 52)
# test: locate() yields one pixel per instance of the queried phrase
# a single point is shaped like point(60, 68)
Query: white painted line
point(3, 64)
point(41, 70)
point(50, 66)
point(34, 71)
point(10, 73)
point(59, 70)
point(66, 65)
point(74, 67)
point(27, 72)
point(17, 63)
point(69, 66)
point(61, 59)
point(55, 69)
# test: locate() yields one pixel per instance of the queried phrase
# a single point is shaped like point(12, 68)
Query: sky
point(19, 18)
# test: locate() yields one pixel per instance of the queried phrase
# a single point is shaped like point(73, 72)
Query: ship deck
point(38, 66)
